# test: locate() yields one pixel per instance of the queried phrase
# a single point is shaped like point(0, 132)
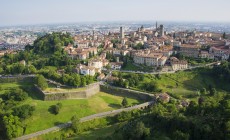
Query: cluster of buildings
point(12, 41)
point(81, 53)
point(16, 41)
point(150, 47)
point(203, 45)
point(96, 65)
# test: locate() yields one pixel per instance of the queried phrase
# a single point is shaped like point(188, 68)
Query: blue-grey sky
point(16, 12)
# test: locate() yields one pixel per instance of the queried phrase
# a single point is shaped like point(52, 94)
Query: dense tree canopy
point(51, 43)
point(222, 72)
point(23, 111)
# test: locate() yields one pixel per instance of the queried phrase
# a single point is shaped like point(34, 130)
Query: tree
point(56, 109)
point(213, 91)
point(126, 84)
point(141, 131)
point(23, 111)
point(75, 124)
point(76, 80)
point(31, 69)
point(203, 91)
point(41, 82)
point(89, 79)
point(1, 71)
point(17, 68)
point(65, 78)
point(151, 86)
point(12, 126)
point(124, 116)
point(201, 101)
point(124, 102)
point(178, 135)
point(50, 43)
point(15, 94)
point(83, 81)
point(135, 131)
point(227, 129)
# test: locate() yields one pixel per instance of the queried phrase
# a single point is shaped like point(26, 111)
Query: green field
point(4, 87)
point(43, 118)
point(187, 84)
point(183, 84)
point(100, 102)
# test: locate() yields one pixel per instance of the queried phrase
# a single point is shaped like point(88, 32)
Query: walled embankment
point(126, 92)
point(86, 92)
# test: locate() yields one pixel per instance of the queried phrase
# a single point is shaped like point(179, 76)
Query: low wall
point(126, 92)
point(89, 91)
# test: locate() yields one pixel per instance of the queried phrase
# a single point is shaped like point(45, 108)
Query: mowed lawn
point(43, 118)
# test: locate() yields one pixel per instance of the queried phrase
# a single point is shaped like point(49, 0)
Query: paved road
point(84, 119)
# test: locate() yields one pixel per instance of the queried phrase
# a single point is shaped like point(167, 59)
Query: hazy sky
point(14, 12)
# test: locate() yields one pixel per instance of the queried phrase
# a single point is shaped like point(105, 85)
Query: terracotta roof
point(189, 46)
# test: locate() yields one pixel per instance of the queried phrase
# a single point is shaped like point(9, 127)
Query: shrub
point(55, 108)
point(124, 116)
point(124, 102)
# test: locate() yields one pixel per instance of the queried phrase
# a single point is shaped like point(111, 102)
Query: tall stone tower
point(93, 35)
point(156, 26)
point(162, 30)
point(121, 33)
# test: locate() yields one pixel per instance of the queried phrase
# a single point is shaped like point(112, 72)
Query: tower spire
point(156, 25)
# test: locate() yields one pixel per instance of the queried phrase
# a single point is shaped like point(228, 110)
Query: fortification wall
point(126, 93)
point(88, 92)
point(94, 89)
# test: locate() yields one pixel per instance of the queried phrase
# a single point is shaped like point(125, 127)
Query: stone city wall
point(89, 91)
point(126, 92)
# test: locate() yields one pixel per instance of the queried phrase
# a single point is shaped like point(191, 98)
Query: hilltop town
point(126, 76)
point(154, 48)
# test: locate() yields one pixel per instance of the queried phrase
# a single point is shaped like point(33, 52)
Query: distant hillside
point(50, 43)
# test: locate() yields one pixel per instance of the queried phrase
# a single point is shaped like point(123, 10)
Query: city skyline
point(25, 12)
